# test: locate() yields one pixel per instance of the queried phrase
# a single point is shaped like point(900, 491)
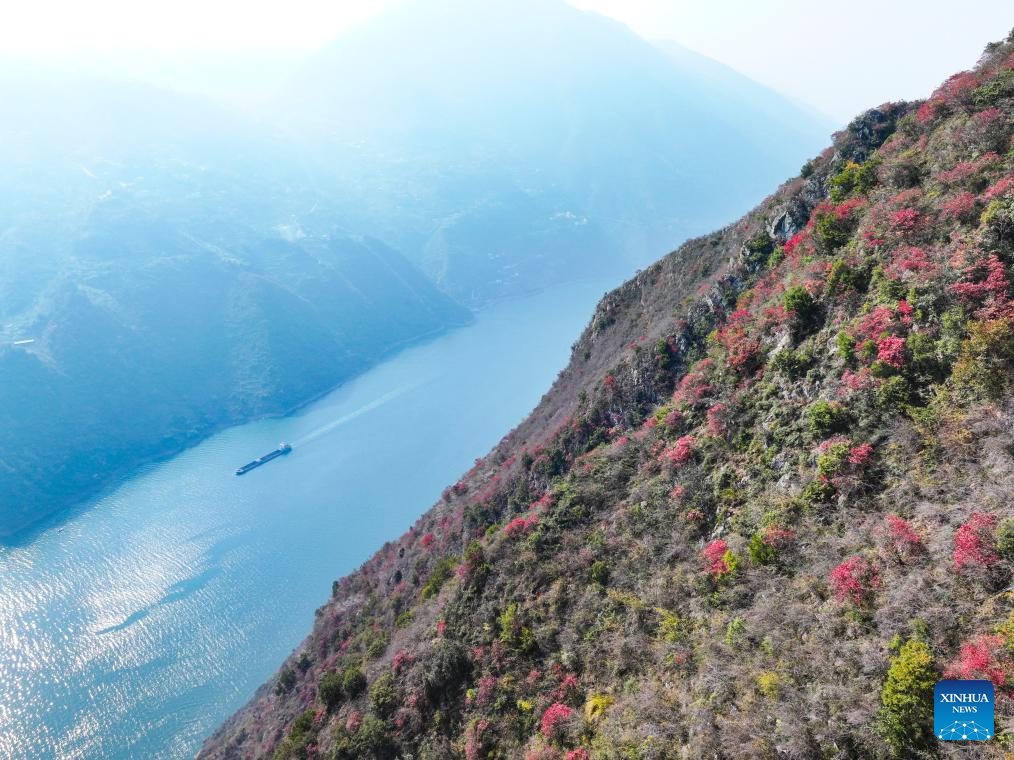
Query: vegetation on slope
point(759, 515)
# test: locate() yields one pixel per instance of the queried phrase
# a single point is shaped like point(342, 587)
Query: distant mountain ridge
point(579, 144)
point(169, 292)
point(763, 510)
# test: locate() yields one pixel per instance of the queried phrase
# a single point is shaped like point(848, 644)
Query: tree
point(330, 690)
point(798, 301)
point(906, 714)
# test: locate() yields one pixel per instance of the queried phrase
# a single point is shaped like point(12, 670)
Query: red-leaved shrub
point(975, 543)
point(854, 580)
point(554, 719)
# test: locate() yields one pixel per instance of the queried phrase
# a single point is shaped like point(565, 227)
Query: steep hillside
point(499, 178)
point(762, 511)
point(154, 286)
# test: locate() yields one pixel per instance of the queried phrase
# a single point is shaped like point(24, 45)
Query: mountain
point(762, 511)
point(155, 285)
point(503, 145)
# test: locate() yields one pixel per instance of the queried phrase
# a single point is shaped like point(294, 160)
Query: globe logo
point(963, 710)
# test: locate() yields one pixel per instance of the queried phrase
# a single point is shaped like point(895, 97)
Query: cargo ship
point(281, 451)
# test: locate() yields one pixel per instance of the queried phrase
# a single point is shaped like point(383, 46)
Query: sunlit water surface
point(156, 610)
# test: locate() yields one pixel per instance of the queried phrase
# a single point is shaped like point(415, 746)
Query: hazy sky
point(839, 57)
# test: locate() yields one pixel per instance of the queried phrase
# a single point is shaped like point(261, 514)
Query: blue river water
point(136, 626)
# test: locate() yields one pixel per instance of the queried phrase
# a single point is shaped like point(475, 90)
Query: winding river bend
point(136, 626)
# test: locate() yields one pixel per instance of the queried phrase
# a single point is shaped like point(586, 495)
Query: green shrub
point(759, 250)
point(376, 643)
point(445, 669)
point(1000, 86)
point(1005, 539)
point(353, 681)
point(442, 570)
point(286, 680)
point(825, 417)
point(671, 627)
point(330, 690)
point(846, 346)
point(798, 300)
point(301, 734)
point(894, 393)
point(831, 231)
point(384, 695)
point(855, 178)
point(734, 631)
point(987, 358)
point(831, 462)
point(906, 715)
point(792, 364)
point(818, 491)
point(599, 572)
point(842, 278)
point(403, 620)
point(761, 551)
point(372, 739)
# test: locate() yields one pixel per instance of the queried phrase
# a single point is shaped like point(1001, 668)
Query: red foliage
point(994, 285)
point(891, 351)
point(795, 241)
point(778, 537)
point(673, 420)
point(610, 383)
point(927, 111)
point(905, 310)
point(1000, 189)
point(714, 558)
point(845, 209)
point(914, 261)
point(958, 174)
point(904, 220)
point(876, 323)
point(679, 453)
point(740, 348)
point(903, 537)
point(861, 455)
point(857, 381)
point(854, 580)
point(427, 540)
point(983, 657)
point(716, 420)
point(957, 90)
point(484, 694)
point(975, 542)
point(401, 661)
point(520, 525)
point(577, 754)
point(554, 719)
point(474, 748)
point(959, 207)
point(692, 388)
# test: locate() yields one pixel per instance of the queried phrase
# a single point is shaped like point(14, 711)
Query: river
point(133, 628)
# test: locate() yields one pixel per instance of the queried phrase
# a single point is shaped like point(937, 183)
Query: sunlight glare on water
point(138, 624)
